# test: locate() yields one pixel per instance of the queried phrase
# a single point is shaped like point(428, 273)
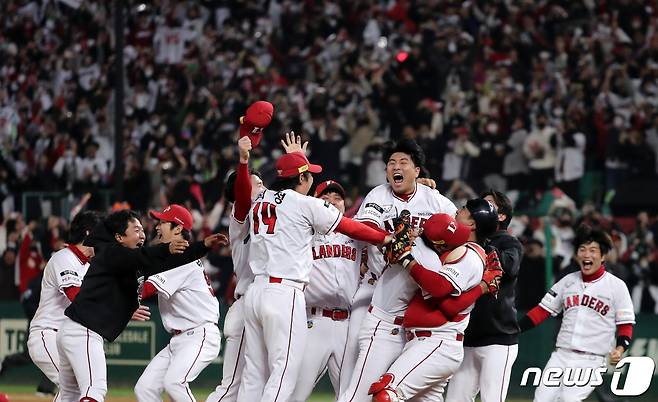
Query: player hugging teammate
point(399, 332)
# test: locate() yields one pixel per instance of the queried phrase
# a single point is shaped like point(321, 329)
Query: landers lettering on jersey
point(416, 221)
point(587, 301)
point(334, 251)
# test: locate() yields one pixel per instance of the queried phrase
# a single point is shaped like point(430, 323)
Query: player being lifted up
point(381, 329)
point(595, 304)
point(282, 223)
point(189, 311)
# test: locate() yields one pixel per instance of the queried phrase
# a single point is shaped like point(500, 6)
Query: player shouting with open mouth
point(594, 304)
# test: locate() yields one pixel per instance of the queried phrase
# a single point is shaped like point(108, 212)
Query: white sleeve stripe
point(454, 284)
point(366, 219)
point(159, 287)
point(550, 310)
point(625, 322)
point(335, 224)
point(239, 221)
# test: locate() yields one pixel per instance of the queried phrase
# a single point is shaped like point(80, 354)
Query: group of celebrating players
point(390, 303)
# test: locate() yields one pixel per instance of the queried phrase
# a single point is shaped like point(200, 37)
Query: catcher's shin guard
point(381, 390)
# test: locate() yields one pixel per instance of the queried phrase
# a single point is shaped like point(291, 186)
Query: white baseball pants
point(178, 364)
point(485, 369)
point(381, 341)
point(566, 358)
point(42, 346)
point(275, 337)
point(227, 390)
point(325, 347)
point(82, 369)
point(360, 304)
point(425, 366)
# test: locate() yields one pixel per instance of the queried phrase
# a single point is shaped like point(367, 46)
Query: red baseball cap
point(328, 186)
point(257, 117)
point(443, 229)
point(176, 214)
point(294, 163)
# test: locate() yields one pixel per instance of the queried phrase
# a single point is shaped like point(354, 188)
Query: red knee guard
point(87, 399)
point(381, 390)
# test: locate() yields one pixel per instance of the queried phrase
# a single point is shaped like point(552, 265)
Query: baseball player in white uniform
point(282, 223)
point(333, 282)
point(241, 188)
point(594, 304)
point(381, 338)
point(435, 349)
point(189, 311)
point(61, 281)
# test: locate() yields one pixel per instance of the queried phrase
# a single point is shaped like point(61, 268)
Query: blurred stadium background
point(108, 105)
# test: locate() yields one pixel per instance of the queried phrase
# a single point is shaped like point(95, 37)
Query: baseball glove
point(493, 271)
point(401, 246)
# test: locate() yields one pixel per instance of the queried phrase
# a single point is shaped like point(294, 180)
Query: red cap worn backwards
point(443, 229)
point(328, 186)
point(257, 117)
point(174, 213)
point(294, 163)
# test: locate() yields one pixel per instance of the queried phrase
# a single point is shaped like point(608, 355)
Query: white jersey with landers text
point(282, 227)
point(335, 273)
point(381, 205)
point(591, 310)
point(185, 297)
point(395, 294)
point(238, 234)
point(64, 269)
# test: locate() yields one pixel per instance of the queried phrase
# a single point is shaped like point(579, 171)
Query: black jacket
point(108, 295)
point(493, 321)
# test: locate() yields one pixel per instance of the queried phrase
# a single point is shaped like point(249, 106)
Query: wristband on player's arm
point(624, 335)
point(533, 318)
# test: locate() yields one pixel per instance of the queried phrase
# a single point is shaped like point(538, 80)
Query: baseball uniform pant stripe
point(372, 338)
point(196, 358)
point(235, 369)
point(43, 339)
point(91, 383)
point(502, 383)
point(292, 314)
point(421, 362)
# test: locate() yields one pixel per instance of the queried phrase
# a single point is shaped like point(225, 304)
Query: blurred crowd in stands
point(553, 102)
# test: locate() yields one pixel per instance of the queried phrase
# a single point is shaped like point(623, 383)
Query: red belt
point(275, 279)
point(426, 334)
point(397, 321)
point(336, 314)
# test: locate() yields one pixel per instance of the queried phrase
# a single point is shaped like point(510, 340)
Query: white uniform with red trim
point(63, 270)
point(391, 294)
point(433, 353)
point(591, 313)
point(233, 364)
point(282, 227)
point(189, 311)
point(333, 283)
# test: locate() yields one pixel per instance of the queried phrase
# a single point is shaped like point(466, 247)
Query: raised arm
point(242, 187)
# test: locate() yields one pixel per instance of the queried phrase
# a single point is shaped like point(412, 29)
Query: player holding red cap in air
point(189, 311)
point(282, 223)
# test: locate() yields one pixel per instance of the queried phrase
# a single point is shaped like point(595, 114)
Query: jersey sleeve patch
point(374, 206)
point(69, 277)
point(624, 317)
point(551, 302)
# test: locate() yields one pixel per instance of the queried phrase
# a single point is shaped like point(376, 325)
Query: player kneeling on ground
point(593, 302)
point(190, 312)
